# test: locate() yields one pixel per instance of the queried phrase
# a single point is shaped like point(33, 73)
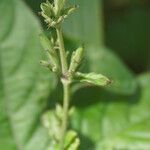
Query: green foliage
point(24, 86)
point(115, 117)
point(123, 124)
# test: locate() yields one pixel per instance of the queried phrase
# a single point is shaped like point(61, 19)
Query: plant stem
point(62, 50)
point(66, 87)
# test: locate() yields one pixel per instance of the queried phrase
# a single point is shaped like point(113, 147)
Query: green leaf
point(93, 78)
point(24, 85)
point(120, 123)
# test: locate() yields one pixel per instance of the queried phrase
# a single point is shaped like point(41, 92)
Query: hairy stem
point(66, 87)
point(62, 51)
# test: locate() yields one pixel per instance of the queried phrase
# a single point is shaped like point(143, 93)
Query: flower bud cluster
point(54, 13)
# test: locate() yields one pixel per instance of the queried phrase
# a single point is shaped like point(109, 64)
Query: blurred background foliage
point(116, 37)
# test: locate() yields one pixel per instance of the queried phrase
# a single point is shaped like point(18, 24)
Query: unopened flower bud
point(76, 59)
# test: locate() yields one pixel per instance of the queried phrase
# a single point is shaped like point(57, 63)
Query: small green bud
point(71, 140)
point(59, 4)
point(46, 64)
point(75, 144)
point(76, 59)
point(46, 10)
point(53, 61)
point(93, 78)
point(48, 3)
point(52, 56)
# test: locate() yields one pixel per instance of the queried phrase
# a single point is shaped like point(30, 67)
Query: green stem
point(66, 87)
point(62, 51)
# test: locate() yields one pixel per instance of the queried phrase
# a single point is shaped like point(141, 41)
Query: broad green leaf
point(24, 85)
point(116, 122)
point(6, 25)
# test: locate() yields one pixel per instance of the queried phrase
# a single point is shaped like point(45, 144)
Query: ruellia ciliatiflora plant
point(57, 121)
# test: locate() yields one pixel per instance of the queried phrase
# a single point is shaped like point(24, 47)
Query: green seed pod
point(76, 59)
